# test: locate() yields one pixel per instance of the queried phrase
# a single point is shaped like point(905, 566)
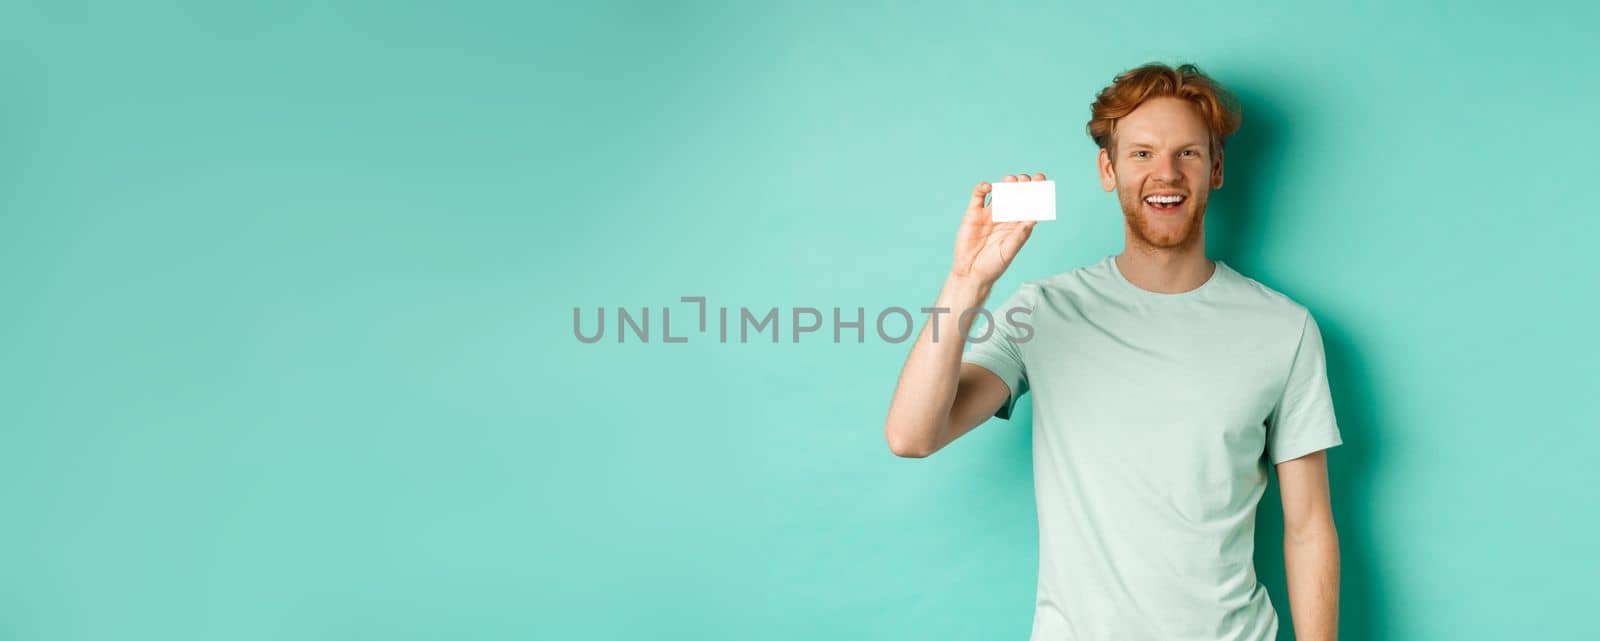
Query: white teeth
point(1163, 199)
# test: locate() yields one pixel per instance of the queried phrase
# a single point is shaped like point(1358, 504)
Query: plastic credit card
point(1032, 200)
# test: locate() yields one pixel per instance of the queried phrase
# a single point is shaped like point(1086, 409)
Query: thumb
point(975, 206)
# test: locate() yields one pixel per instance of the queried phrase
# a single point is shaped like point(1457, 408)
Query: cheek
point(1129, 180)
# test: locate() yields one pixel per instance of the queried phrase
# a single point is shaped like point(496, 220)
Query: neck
point(1166, 271)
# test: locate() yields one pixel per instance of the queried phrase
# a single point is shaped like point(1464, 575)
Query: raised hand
point(984, 248)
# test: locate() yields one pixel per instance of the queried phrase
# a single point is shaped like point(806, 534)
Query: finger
point(1017, 226)
point(977, 196)
point(1039, 176)
point(1024, 177)
point(1010, 179)
point(1002, 231)
point(1012, 242)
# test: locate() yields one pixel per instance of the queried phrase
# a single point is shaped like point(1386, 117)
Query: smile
point(1164, 202)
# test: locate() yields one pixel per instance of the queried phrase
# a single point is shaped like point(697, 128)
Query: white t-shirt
point(1155, 417)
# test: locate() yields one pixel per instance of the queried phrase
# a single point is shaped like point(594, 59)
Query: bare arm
point(939, 398)
point(1310, 547)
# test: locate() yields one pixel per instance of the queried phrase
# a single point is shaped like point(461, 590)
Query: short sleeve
point(1303, 421)
point(998, 347)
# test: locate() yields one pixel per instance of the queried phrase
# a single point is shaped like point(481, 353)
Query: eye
point(1191, 153)
point(1141, 154)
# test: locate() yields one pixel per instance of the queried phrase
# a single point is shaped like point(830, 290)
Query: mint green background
point(288, 291)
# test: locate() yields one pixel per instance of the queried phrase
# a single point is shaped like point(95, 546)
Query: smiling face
point(1160, 163)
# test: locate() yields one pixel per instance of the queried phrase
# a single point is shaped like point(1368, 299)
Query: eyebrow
point(1152, 145)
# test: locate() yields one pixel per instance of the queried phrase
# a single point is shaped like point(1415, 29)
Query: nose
point(1168, 170)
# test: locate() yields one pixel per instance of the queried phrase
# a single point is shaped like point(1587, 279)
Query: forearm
point(927, 387)
point(1311, 561)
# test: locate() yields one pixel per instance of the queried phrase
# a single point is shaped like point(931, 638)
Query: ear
point(1216, 171)
point(1108, 173)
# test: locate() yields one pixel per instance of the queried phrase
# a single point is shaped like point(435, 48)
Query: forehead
point(1163, 120)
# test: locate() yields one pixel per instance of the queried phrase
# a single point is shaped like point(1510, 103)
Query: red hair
point(1217, 107)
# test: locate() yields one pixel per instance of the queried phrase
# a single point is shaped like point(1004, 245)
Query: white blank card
point(1032, 200)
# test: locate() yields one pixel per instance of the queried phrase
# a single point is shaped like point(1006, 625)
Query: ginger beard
point(1178, 228)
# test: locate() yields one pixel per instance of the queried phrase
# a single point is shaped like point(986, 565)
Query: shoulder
point(1261, 299)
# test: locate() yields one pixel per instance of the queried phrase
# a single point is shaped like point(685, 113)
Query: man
point(1164, 384)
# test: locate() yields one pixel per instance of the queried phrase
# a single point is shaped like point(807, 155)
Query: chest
point(1173, 382)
